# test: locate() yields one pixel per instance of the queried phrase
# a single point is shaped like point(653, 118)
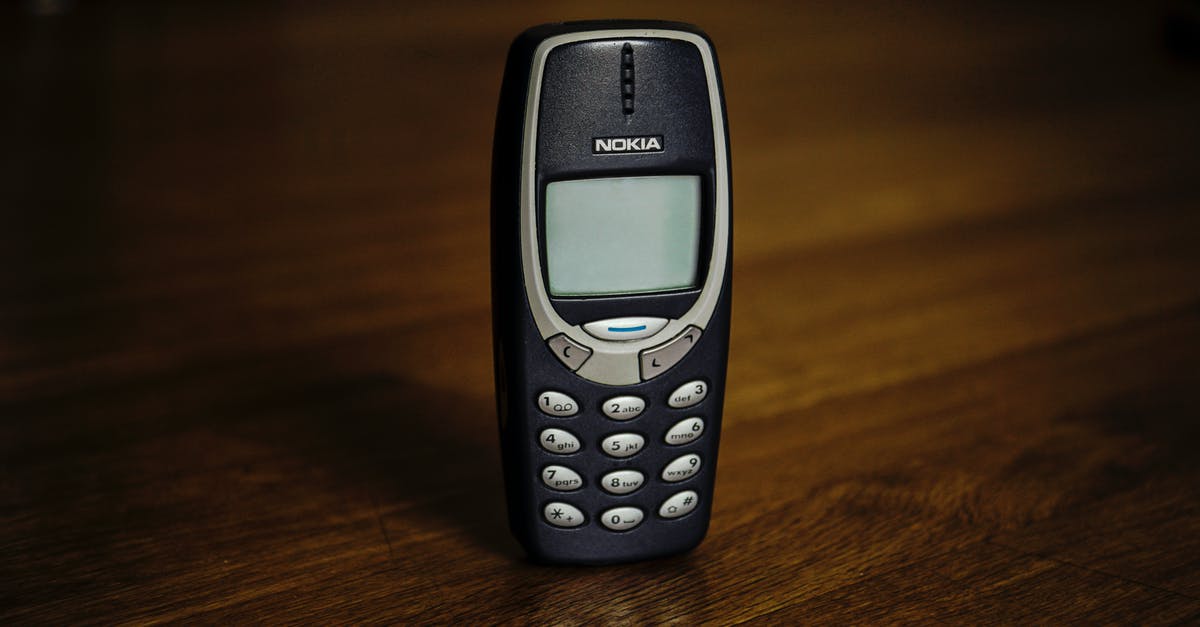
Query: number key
point(684, 431)
point(682, 468)
point(558, 441)
point(561, 478)
point(622, 481)
point(622, 518)
point(688, 394)
point(624, 407)
point(557, 404)
point(622, 444)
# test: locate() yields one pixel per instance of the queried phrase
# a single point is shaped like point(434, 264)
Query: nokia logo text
point(614, 145)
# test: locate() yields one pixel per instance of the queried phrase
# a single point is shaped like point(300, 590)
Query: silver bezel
point(616, 362)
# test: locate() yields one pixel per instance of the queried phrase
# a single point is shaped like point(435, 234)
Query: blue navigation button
point(630, 328)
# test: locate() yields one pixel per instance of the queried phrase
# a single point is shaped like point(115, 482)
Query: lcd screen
point(613, 236)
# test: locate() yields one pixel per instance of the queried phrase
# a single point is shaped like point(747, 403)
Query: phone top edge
point(536, 34)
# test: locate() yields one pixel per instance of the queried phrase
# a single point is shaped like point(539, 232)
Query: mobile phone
point(611, 236)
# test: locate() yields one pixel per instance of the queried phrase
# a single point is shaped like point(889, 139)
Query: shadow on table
point(428, 456)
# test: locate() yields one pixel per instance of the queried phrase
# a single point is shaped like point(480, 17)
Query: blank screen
point(622, 235)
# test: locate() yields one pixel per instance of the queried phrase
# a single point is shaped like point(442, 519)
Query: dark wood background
point(245, 361)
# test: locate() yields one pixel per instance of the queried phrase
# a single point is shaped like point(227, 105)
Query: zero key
point(659, 359)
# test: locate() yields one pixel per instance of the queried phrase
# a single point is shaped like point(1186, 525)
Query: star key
point(563, 515)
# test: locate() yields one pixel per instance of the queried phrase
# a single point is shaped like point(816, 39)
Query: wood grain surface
point(245, 361)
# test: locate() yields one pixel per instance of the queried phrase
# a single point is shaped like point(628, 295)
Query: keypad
point(622, 509)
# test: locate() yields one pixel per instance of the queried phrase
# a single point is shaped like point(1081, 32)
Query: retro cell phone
point(611, 209)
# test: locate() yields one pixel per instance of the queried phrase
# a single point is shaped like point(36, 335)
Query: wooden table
point(245, 361)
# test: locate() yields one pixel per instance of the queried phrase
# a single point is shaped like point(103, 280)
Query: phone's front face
point(625, 225)
point(612, 367)
point(625, 196)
